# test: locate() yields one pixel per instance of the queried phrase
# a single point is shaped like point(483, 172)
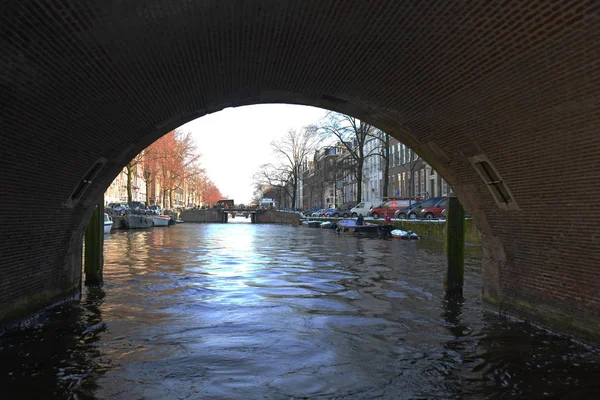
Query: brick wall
point(210, 215)
point(516, 81)
point(277, 217)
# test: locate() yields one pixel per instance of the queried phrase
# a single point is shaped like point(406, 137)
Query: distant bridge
point(257, 215)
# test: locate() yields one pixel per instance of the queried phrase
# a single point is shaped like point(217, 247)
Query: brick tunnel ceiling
point(92, 79)
point(130, 67)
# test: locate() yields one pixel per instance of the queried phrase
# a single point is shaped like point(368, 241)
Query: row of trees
point(284, 174)
point(172, 162)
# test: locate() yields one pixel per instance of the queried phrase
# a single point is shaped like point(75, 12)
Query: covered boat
point(406, 235)
point(312, 224)
point(350, 225)
point(328, 225)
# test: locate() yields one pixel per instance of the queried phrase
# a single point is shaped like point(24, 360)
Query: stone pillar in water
point(455, 246)
point(94, 245)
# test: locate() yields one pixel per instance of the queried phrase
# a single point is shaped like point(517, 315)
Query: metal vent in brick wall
point(85, 182)
point(494, 182)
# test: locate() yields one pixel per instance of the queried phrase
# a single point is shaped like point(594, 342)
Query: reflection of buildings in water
point(136, 250)
point(157, 238)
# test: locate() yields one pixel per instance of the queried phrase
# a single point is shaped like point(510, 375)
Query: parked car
point(327, 212)
point(310, 212)
point(388, 208)
point(137, 207)
point(344, 210)
point(363, 208)
point(410, 212)
point(415, 212)
point(317, 213)
point(434, 211)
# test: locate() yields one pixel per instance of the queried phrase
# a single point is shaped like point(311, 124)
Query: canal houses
point(329, 178)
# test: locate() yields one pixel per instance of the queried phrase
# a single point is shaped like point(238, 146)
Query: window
point(404, 183)
point(415, 176)
point(402, 159)
point(444, 190)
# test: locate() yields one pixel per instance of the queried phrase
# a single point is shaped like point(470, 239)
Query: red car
point(434, 211)
point(388, 208)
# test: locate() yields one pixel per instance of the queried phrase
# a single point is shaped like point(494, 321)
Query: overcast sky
point(236, 141)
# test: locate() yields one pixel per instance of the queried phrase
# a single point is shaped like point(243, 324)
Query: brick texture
point(517, 81)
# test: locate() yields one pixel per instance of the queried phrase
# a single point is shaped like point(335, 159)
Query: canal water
point(242, 311)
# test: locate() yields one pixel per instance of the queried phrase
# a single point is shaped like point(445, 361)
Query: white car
point(363, 208)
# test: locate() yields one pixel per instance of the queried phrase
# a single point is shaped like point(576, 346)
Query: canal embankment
point(432, 229)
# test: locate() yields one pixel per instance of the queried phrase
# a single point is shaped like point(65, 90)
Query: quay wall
point(427, 229)
point(208, 215)
point(435, 229)
point(277, 217)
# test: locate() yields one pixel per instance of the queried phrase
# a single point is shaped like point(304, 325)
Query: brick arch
point(514, 83)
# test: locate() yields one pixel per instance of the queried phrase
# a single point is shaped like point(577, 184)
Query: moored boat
point(136, 221)
point(350, 225)
point(312, 224)
point(108, 223)
point(160, 220)
point(406, 235)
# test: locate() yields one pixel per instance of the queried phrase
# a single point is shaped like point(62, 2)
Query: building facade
point(411, 176)
point(117, 191)
point(329, 179)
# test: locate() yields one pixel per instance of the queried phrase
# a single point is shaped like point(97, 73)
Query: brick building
point(411, 176)
point(330, 177)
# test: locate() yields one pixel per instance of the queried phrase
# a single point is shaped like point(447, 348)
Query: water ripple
point(236, 310)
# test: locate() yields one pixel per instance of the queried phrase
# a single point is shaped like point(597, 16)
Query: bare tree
point(353, 134)
point(384, 154)
point(195, 180)
point(271, 177)
point(290, 151)
point(130, 170)
point(411, 162)
point(264, 191)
